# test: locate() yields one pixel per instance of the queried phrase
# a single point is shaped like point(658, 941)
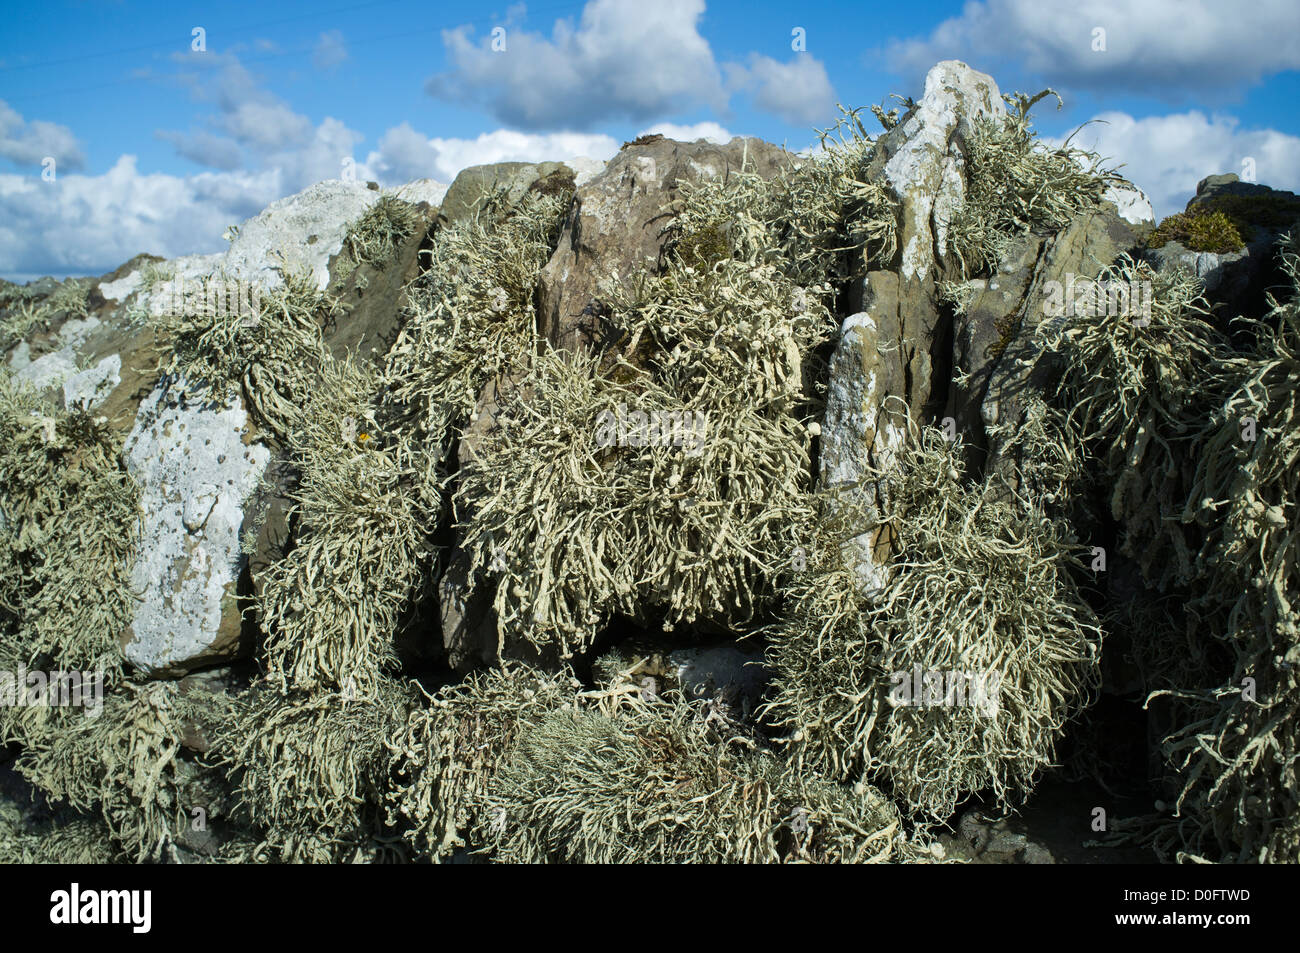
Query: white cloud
point(253, 117)
point(700, 130)
point(405, 154)
point(799, 91)
point(625, 60)
point(204, 148)
point(1172, 48)
point(28, 143)
point(92, 223)
point(265, 125)
point(330, 50)
point(1167, 155)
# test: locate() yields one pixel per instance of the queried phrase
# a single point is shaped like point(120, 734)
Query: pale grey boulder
point(195, 473)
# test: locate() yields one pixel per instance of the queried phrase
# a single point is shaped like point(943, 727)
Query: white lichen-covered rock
point(585, 169)
point(123, 288)
point(430, 191)
point(860, 431)
point(1133, 205)
point(925, 171)
point(298, 233)
point(196, 474)
point(89, 388)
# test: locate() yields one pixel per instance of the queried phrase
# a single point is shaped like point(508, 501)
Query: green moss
point(704, 247)
point(1252, 215)
point(1198, 230)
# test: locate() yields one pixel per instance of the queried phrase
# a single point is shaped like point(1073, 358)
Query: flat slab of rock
point(195, 473)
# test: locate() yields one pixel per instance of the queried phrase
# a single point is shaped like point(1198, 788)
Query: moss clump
point(1236, 752)
point(1252, 215)
point(530, 768)
point(269, 356)
point(1199, 230)
point(374, 238)
point(69, 525)
point(121, 761)
point(471, 315)
point(657, 782)
point(446, 754)
point(704, 248)
point(1139, 394)
point(818, 220)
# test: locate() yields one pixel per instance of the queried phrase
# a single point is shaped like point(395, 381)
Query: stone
point(884, 368)
point(1089, 244)
point(469, 187)
point(468, 622)
point(618, 219)
point(195, 473)
point(277, 239)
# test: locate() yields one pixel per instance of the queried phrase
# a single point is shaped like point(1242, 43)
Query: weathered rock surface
point(617, 223)
point(1017, 368)
point(884, 363)
point(471, 185)
point(196, 473)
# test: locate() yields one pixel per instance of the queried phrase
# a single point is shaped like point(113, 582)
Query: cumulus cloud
point(204, 148)
point(253, 117)
point(90, 224)
point(799, 91)
point(700, 130)
point(330, 50)
point(625, 60)
point(405, 154)
point(28, 143)
point(1167, 155)
point(1169, 48)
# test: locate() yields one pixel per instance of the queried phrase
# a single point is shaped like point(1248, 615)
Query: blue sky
point(158, 146)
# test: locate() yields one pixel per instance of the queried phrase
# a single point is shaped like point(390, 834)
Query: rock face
point(299, 233)
point(1011, 363)
point(195, 473)
point(469, 630)
point(923, 160)
point(472, 184)
point(883, 366)
point(617, 223)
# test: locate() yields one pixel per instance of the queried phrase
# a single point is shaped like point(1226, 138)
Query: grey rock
point(469, 631)
point(195, 473)
point(617, 223)
point(466, 193)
